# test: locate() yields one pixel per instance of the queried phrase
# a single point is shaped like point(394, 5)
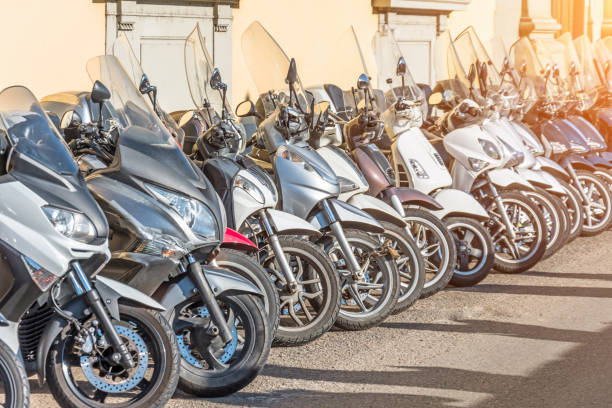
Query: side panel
point(459, 203)
point(534, 177)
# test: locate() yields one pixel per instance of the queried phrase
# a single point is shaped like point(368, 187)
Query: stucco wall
point(306, 29)
point(46, 43)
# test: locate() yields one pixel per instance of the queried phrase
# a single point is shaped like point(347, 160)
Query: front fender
point(459, 203)
point(598, 161)
point(348, 216)
point(556, 187)
point(221, 281)
point(535, 178)
point(506, 178)
point(411, 196)
point(235, 240)
point(553, 168)
point(288, 224)
point(578, 162)
point(377, 209)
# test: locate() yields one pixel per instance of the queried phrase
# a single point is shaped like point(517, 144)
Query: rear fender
point(377, 209)
point(506, 178)
point(459, 203)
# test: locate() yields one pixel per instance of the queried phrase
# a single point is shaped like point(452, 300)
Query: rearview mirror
point(573, 69)
point(215, 80)
point(524, 68)
point(292, 73)
point(471, 76)
point(506, 64)
point(99, 93)
point(435, 98)
point(246, 108)
point(363, 82)
point(607, 68)
point(146, 88)
point(484, 72)
point(402, 68)
point(555, 71)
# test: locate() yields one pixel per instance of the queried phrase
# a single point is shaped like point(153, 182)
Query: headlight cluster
point(577, 148)
point(71, 224)
point(489, 148)
point(558, 147)
point(195, 214)
point(250, 188)
point(515, 159)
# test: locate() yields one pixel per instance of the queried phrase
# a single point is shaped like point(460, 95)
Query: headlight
point(489, 148)
point(477, 164)
point(71, 224)
point(418, 169)
point(515, 159)
point(195, 214)
point(250, 188)
point(558, 147)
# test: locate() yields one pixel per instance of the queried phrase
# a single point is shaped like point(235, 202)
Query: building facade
point(47, 43)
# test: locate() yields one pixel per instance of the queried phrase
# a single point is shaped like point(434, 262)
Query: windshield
point(604, 57)
point(31, 132)
point(393, 85)
point(268, 64)
point(142, 134)
point(457, 76)
point(346, 62)
point(199, 69)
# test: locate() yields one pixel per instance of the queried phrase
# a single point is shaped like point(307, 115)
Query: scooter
point(560, 136)
point(516, 225)
point(167, 223)
point(88, 336)
point(309, 188)
point(373, 174)
point(302, 273)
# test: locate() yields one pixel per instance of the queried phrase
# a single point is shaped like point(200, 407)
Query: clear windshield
point(584, 80)
point(31, 132)
point(346, 62)
point(199, 69)
point(268, 64)
point(604, 57)
point(123, 51)
point(140, 129)
point(393, 85)
point(457, 75)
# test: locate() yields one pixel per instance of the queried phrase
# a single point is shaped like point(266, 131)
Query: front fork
point(574, 176)
point(345, 247)
point(397, 206)
point(502, 210)
point(279, 254)
point(82, 286)
point(194, 269)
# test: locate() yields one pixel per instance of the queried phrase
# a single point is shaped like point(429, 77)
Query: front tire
point(210, 371)
point(437, 249)
point(151, 384)
point(474, 248)
point(553, 217)
point(573, 204)
point(13, 379)
point(527, 248)
point(368, 301)
point(598, 210)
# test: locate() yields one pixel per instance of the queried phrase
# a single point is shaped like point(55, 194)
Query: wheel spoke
point(300, 269)
point(431, 249)
point(294, 316)
point(475, 252)
point(310, 282)
point(312, 295)
point(355, 295)
point(369, 286)
point(305, 309)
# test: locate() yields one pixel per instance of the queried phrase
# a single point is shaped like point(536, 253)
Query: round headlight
point(489, 148)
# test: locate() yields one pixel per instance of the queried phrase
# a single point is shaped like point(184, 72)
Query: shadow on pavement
point(539, 290)
point(569, 275)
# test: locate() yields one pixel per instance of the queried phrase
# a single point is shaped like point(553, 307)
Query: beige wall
point(46, 43)
point(306, 29)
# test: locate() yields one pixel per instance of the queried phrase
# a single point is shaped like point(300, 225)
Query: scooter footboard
point(459, 203)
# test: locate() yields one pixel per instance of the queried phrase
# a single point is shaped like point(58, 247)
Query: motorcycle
point(94, 340)
point(309, 188)
point(167, 223)
point(478, 166)
point(301, 272)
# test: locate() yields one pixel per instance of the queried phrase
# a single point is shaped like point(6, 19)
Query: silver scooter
point(309, 188)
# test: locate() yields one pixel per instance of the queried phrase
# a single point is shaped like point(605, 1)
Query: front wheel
point(550, 206)
point(208, 367)
point(519, 249)
point(81, 372)
point(475, 254)
point(597, 208)
point(13, 380)
point(369, 300)
point(573, 204)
